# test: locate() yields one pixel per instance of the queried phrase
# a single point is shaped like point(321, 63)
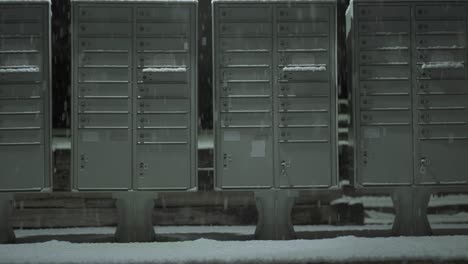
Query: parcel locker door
point(104, 159)
point(245, 158)
point(22, 167)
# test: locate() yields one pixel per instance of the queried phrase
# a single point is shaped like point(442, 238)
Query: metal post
point(410, 205)
point(135, 217)
point(274, 214)
point(6, 207)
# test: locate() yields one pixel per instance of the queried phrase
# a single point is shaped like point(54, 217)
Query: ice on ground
point(16, 69)
point(344, 249)
point(444, 65)
point(299, 67)
point(165, 69)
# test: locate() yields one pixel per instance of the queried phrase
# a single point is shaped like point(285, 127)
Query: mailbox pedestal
point(6, 231)
point(410, 205)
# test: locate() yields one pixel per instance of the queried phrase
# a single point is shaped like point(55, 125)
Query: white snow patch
point(7, 1)
point(299, 67)
point(165, 69)
point(448, 200)
point(156, 1)
point(348, 249)
point(18, 69)
point(444, 65)
point(394, 48)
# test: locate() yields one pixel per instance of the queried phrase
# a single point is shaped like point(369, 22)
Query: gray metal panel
point(25, 157)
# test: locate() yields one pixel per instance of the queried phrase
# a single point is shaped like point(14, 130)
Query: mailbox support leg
point(410, 205)
point(7, 235)
point(135, 217)
point(274, 214)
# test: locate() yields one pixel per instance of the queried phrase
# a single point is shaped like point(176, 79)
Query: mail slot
point(445, 27)
point(451, 58)
point(399, 42)
point(385, 88)
point(163, 59)
point(103, 74)
point(245, 104)
point(161, 136)
point(20, 60)
point(303, 73)
point(245, 29)
point(389, 118)
point(394, 102)
point(303, 12)
point(318, 119)
point(163, 74)
point(246, 88)
point(21, 106)
point(19, 44)
point(20, 13)
point(169, 90)
point(384, 57)
point(21, 74)
point(442, 86)
point(246, 120)
point(291, 134)
point(446, 42)
point(443, 101)
point(162, 120)
point(177, 44)
point(106, 13)
point(246, 74)
point(321, 104)
point(111, 43)
point(18, 91)
point(104, 121)
point(310, 28)
point(245, 44)
point(303, 58)
point(441, 71)
point(444, 132)
point(384, 27)
point(443, 116)
point(103, 105)
point(372, 12)
point(177, 13)
point(105, 29)
point(304, 89)
point(103, 90)
point(448, 10)
point(249, 12)
point(21, 28)
point(108, 59)
point(387, 73)
point(21, 137)
point(304, 43)
point(239, 59)
point(163, 105)
point(162, 29)
point(28, 121)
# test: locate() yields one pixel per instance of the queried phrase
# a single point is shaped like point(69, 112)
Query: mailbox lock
point(142, 28)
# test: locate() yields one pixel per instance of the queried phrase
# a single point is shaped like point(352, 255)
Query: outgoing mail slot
point(245, 29)
point(163, 59)
point(384, 57)
point(8, 13)
point(311, 28)
point(162, 121)
point(163, 74)
point(106, 13)
point(163, 44)
point(21, 106)
point(104, 59)
point(245, 59)
point(440, 11)
point(303, 12)
point(105, 29)
point(441, 71)
point(436, 27)
point(30, 121)
point(20, 74)
point(20, 60)
point(319, 104)
point(21, 28)
point(163, 105)
point(246, 120)
point(20, 90)
point(245, 88)
point(384, 73)
point(246, 74)
point(178, 13)
point(168, 90)
point(21, 44)
point(103, 105)
point(386, 118)
point(318, 119)
point(442, 117)
point(443, 101)
point(104, 44)
point(308, 89)
point(383, 11)
point(246, 12)
point(245, 104)
point(103, 90)
point(161, 136)
point(104, 121)
point(303, 58)
point(384, 27)
point(245, 44)
point(443, 132)
point(384, 88)
point(309, 134)
point(305, 43)
point(20, 137)
point(163, 29)
point(384, 42)
point(103, 74)
point(446, 56)
point(442, 86)
point(439, 43)
point(385, 102)
point(304, 73)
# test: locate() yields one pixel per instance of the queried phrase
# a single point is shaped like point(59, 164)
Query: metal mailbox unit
point(410, 93)
point(134, 95)
point(275, 94)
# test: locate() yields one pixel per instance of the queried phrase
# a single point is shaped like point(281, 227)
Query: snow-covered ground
point(343, 249)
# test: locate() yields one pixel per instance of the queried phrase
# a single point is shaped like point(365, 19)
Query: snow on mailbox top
point(406, 1)
point(139, 1)
point(24, 1)
point(275, 1)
